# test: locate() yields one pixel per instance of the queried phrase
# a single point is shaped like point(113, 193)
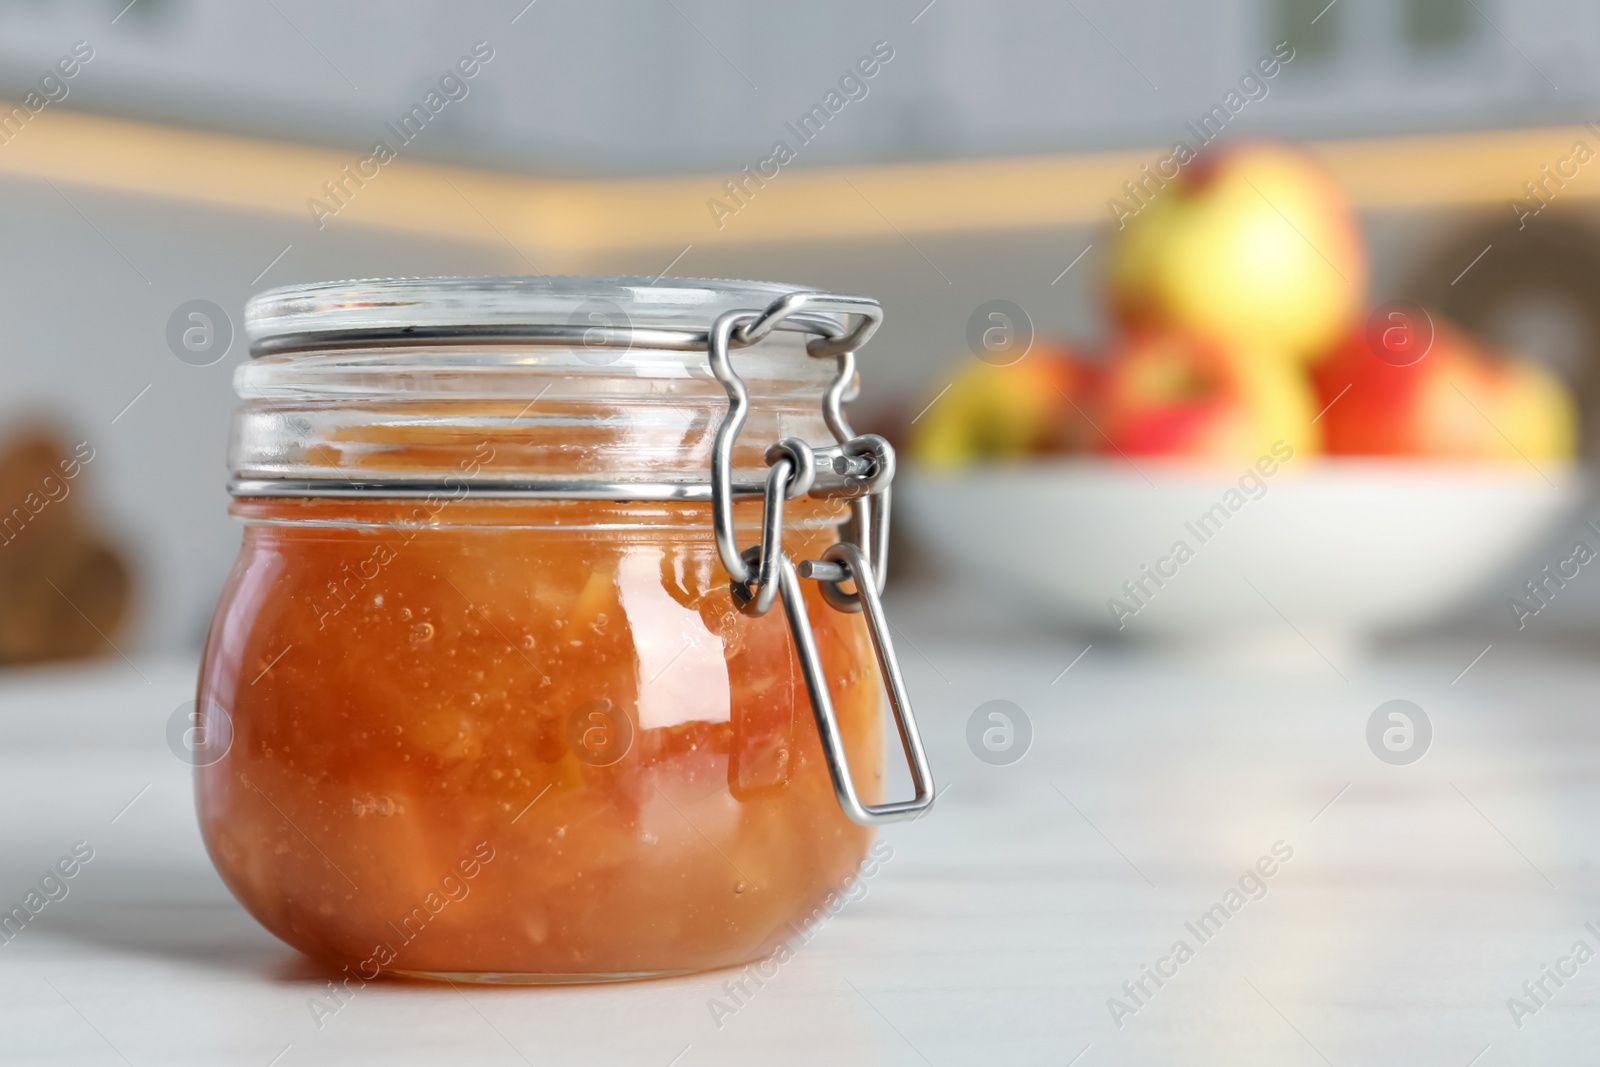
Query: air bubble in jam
point(375, 805)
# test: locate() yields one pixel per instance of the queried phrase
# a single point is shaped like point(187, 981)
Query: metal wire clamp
point(763, 573)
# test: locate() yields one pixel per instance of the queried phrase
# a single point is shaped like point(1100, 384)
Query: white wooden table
point(1418, 898)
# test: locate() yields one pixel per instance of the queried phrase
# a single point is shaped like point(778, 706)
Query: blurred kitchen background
point(977, 163)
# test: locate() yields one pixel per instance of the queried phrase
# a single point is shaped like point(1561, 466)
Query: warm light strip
point(562, 220)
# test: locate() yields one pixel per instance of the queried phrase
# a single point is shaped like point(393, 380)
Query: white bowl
point(1339, 548)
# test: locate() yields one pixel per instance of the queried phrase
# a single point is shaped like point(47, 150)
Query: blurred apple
point(1254, 245)
point(1453, 401)
point(1033, 406)
point(1168, 393)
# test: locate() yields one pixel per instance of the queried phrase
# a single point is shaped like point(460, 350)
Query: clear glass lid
point(602, 312)
point(577, 386)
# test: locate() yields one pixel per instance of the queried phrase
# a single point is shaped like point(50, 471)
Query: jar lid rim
point(443, 310)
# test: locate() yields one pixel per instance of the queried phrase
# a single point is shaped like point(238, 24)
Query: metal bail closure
point(846, 562)
point(866, 465)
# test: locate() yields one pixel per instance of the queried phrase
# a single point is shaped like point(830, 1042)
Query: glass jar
point(494, 691)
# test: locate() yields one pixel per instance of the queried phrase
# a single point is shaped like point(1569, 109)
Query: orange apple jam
point(524, 740)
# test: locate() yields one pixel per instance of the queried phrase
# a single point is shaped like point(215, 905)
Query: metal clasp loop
point(813, 307)
point(728, 436)
point(763, 558)
point(739, 329)
point(850, 560)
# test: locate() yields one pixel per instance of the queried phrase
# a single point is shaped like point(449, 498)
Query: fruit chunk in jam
point(527, 741)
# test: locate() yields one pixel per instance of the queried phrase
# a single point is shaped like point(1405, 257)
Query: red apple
point(1255, 245)
point(1173, 394)
point(1391, 394)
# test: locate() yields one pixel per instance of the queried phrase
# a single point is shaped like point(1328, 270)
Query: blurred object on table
point(65, 590)
point(1238, 287)
point(1398, 461)
point(1283, 554)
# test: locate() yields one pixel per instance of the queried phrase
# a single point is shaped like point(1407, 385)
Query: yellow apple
point(1255, 246)
point(1035, 406)
point(1172, 394)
